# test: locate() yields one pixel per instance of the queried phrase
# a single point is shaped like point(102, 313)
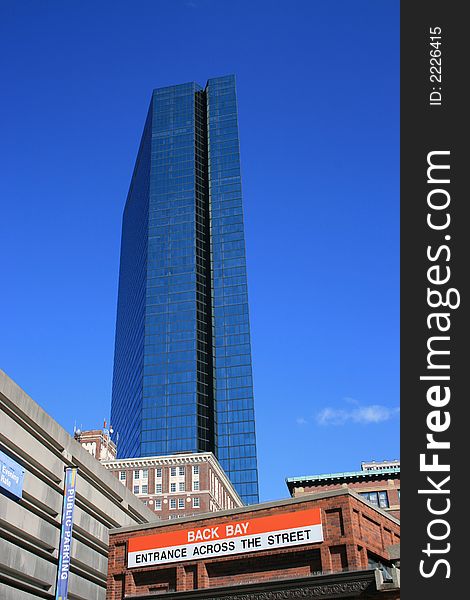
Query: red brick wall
point(352, 529)
point(259, 567)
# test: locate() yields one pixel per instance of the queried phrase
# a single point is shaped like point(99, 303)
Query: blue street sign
point(63, 570)
point(11, 475)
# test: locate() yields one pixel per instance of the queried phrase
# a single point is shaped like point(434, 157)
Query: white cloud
point(301, 421)
point(364, 415)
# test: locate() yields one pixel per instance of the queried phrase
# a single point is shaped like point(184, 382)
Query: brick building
point(179, 485)
point(332, 544)
point(97, 442)
point(377, 482)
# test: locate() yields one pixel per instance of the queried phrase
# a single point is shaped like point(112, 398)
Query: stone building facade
point(30, 520)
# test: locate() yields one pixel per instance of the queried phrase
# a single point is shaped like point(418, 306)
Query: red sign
point(222, 539)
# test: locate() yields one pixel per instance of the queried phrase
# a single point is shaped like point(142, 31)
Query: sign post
point(63, 570)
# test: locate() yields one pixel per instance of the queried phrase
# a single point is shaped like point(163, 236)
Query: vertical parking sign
point(63, 570)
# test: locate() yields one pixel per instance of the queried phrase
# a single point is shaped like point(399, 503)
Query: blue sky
point(318, 92)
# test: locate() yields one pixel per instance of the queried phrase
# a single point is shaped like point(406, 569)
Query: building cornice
point(235, 512)
point(318, 479)
point(349, 584)
point(150, 461)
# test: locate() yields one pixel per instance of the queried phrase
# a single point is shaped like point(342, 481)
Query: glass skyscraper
point(182, 367)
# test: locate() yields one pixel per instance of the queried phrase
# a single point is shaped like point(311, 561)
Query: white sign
point(223, 539)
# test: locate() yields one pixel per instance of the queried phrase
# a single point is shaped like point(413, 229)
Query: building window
point(158, 505)
point(196, 470)
point(173, 503)
point(181, 486)
point(173, 471)
point(196, 503)
point(158, 472)
point(145, 502)
point(172, 487)
point(145, 489)
point(372, 497)
point(383, 500)
point(158, 488)
point(180, 502)
point(145, 474)
point(136, 474)
point(122, 476)
point(136, 489)
point(181, 471)
point(196, 486)
point(376, 498)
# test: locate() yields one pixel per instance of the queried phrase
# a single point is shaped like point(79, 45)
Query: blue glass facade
point(182, 370)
